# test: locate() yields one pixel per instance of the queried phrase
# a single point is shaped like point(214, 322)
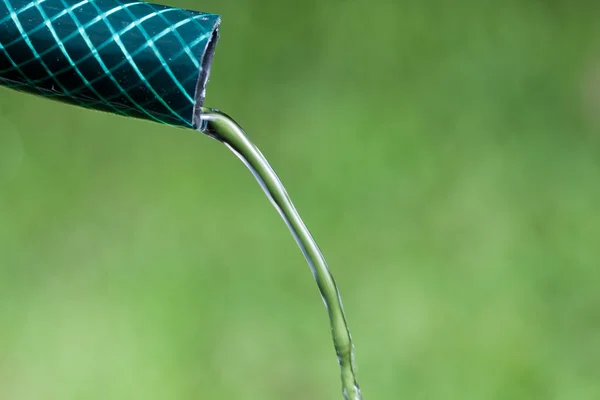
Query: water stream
point(224, 129)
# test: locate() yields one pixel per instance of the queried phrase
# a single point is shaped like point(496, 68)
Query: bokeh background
point(446, 156)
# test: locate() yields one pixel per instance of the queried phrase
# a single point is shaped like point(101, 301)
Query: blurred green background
point(446, 156)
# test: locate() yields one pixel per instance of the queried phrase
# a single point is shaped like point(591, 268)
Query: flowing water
point(221, 127)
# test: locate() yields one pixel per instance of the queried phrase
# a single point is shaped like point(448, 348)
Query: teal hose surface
point(130, 58)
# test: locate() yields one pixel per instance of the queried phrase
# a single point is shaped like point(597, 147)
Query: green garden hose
point(126, 57)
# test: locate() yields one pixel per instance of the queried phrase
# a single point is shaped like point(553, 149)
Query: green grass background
point(446, 156)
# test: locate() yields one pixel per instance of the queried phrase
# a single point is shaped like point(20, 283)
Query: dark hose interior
point(205, 63)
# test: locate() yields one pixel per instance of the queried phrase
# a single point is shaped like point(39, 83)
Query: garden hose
point(130, 58)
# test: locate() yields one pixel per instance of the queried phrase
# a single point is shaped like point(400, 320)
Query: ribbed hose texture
point(130, 58)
